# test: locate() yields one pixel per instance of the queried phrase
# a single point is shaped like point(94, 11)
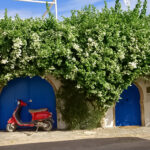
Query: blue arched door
point(36, 89)
point(127, 111)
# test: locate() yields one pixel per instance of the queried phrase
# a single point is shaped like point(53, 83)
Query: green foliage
point(137, 8)
point(78, 111)
point(101, 53)
point(117, 6)
point(143, 11)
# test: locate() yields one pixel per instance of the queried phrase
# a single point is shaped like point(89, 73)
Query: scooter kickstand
point(37, 129)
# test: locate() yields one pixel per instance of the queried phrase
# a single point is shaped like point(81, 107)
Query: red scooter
point(40, 118)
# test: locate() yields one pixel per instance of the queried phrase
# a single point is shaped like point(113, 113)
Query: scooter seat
point(37, 110)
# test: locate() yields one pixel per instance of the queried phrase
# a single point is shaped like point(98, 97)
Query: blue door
point(36, 89)
point(127, 111)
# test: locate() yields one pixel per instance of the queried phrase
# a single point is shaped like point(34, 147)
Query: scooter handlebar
point(21, 102)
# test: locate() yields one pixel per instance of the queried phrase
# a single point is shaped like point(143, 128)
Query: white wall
point(107, 121)
point(146, 101)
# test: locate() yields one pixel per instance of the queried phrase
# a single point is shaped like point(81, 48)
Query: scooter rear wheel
point(48, 125)
point(11, 127)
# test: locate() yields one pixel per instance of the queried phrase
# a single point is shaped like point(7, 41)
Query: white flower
point(90, 40)
point(94, 44)
point(36, 41)
point(104, 33)
point(126, 72)
point(35, 37)
point(100, 94)
point(94, 64)
point(74, 59)
point(36, 44)
point(75, 46)
point(68, 57)
point(121, 55)
point(67, 76)
point(12, 66)
point(87, 54)
point(78, 86)
point(75, 69)
point(17, 43)
point(4, 61)
point(4, 33)
point(133, 39)
point(117, 69)
point(132, 65)
point(16, 53)
point(8, 76)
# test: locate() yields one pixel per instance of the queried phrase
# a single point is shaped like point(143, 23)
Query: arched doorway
point(128, 109)
point(36, 89)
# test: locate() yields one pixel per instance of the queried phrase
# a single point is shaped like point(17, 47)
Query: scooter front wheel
point(47, 125)
point(11, 127)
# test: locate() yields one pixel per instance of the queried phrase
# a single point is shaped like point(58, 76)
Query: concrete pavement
point(80, 139)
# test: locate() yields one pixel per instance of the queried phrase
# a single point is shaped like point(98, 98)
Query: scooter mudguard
point(11, 120)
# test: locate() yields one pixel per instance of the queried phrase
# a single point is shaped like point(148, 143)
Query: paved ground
point(97, 139)
point(87, 144)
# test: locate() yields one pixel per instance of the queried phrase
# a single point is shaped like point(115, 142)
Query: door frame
point(141, 106)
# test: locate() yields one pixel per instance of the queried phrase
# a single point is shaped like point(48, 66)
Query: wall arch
point(56, 85)
point(141, 102)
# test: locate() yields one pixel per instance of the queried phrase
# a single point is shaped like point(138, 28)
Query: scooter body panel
point(41, 115)
point(12, 120)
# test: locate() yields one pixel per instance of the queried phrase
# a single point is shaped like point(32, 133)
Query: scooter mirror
point(30, 100)
point(18, 102)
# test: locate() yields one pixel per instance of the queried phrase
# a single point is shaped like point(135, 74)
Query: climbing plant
point(100, 53)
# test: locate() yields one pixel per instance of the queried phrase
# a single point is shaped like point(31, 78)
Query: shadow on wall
point(124, 143)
